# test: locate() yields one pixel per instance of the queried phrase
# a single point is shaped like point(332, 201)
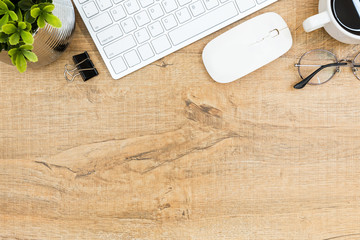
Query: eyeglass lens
point(356, 62)
point(314, 59)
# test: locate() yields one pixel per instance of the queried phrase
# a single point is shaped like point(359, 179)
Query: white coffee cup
point(326, 19)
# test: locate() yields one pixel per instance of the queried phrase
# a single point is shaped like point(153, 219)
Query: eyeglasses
point(319, 66)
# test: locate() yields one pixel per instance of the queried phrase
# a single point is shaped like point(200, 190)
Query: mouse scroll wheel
point(274, 33)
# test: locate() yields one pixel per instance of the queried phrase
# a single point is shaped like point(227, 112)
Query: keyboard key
point(245, 5)
point(120, 46)
point(260, 1)
point(128, 25)
point(118, 1)
point(109, 34)
point(169, 22)
point(210, 4)
point(132, 58)
point(142, 18)
point(82, 1)
point(118, 65)
point(131, 6)
point(197, 8)
point(183, 15)
point(161, 44)
point(169, 5)
point(203, 23)
point(90, 9)
point(156, 11)
point(146, 52)
point(142, 35)
point(104, 4)
point(145, 3)
point(118, 13)
point(100, 21)
point(155, 29)
point(183, 2)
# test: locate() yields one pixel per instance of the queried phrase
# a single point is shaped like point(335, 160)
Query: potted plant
point(19, 22)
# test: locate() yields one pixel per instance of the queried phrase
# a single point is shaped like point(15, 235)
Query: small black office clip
point(83, 67)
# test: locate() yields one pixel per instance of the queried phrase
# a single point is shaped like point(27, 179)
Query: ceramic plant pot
point(50, 42)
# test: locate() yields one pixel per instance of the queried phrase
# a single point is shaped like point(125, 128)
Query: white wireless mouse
point(247, 47)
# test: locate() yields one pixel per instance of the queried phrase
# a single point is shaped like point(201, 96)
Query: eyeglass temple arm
point(306, 80)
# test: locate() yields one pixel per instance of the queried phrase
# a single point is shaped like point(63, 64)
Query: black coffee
point(347, 14)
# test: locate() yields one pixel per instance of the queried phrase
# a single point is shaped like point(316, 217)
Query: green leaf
point(4, 20)
point(13, 15)
point(27, 37)
point(30, 56)
point(26, 47)
point(13, 54)
point(9, 4)
point(9, 28)
point(3, 37)
point(3, 6)
point(34, 6)
point(13, 59)
point(49, 8)
point(53, 20)
point(35, 12)
point(28, 18)
point(21, 63)
point(12, 51)
point(41, 22)
point(14, 39)
point(21, 25)
point(28, 27)
point(19, 14)
point(44, 1)
point(25, 4)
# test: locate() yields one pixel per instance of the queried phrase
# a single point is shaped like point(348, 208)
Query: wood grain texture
point(166, 153)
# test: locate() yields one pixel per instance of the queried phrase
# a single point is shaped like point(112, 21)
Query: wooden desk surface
point(166, 153)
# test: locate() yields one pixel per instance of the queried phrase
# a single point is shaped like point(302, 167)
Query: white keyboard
point(131, 34)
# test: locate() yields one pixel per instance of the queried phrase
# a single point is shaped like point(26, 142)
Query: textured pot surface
point(49, 42)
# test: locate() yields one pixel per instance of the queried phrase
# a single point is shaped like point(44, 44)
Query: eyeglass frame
point(337, 64)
